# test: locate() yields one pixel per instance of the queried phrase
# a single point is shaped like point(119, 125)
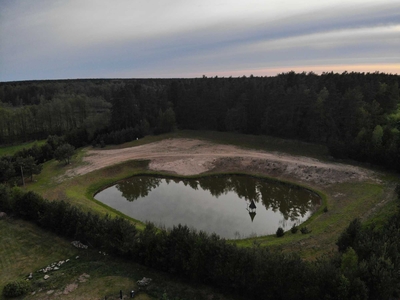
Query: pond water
point(230, 206)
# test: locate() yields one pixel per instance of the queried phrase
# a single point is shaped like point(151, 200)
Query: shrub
point(305, 230)
point(280, 232)
point(16, 288)
point(325, 209)
point(294, 229)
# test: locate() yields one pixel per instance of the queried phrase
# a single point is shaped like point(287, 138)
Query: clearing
point(182, 156)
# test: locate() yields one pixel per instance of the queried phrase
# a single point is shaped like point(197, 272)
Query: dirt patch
point(70, 288)
point(83, 278)
point(191, 157)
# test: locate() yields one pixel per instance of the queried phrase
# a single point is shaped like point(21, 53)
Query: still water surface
point(231, 206)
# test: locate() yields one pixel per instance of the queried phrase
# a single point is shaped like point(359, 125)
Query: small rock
point(30, 276)
point(3, 214)
point(144, 282)
point(78, 244)
point(50, 292)
point(77, 257)
point(46, 277)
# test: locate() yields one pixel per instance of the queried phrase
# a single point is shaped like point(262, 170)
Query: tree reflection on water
point(290, 200)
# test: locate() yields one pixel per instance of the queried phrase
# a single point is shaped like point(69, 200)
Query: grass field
point(24, 248)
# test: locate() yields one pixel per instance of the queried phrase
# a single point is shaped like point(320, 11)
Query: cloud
point(87, 38)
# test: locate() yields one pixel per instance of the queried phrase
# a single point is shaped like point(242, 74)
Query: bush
point(305, 230)
point(294, 229)
point(325, 209)
point(16, 288)
point(280, 232)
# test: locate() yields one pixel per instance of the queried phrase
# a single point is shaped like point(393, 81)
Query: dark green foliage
point(280, 232)
point(7, 169)
point(5, 198)
point(64, 153)
point(27, 166)
point(118, 137)
point(29, 206)
point(16, 288)
point(77, 137)
point(55, 141)
point(166, 121)
point(305, 230)
point(325, 209)
point(349, 236)
point(294, 229)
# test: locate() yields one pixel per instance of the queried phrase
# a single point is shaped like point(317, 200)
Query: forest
point(356, 115)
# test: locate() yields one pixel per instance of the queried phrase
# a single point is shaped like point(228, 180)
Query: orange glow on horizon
point(318, 69)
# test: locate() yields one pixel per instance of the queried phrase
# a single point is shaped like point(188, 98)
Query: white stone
point(46, 277)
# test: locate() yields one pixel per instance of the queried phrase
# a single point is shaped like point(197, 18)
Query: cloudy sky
point(55, 39)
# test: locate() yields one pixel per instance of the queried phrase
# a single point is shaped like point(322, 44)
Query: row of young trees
point(367, 265)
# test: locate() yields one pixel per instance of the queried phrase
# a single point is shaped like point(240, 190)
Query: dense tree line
point(356, 115)
point(367, 265)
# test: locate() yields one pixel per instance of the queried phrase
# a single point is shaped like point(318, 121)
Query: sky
point(67, 39)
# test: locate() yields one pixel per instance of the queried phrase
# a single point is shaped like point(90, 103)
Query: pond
point(232, 206)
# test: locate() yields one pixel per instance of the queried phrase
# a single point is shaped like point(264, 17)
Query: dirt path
point(191, 157)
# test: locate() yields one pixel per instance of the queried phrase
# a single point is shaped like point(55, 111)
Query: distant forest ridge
point(357, 115)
